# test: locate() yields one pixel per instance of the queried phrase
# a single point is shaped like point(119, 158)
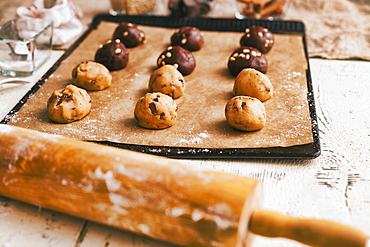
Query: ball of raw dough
point(156, 111)
point(167, 80)
point(258, 37)
point(129, 34)
point(68, 105)
point(245, 113)
point(251, 82)
point(91, 76)
point(182, 59)
point(189, 38)
point(113, 55)
point(246, 57)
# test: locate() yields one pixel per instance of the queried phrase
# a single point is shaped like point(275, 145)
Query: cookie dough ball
point(180, 58)
point(113, 55)
point(189, 38)
point(259, 37)
point(156, 111)
point(91, 76)
point(68, 105)
point(245, 113)
point(251, 82)
point(167, 80)
point(129, 34)
point(247, 57)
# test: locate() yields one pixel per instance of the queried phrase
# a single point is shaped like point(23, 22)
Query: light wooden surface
point(334, 186)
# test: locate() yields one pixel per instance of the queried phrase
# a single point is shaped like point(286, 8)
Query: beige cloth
point(64, 15)
point(336, 29)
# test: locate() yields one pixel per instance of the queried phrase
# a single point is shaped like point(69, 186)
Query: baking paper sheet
point(201, 119)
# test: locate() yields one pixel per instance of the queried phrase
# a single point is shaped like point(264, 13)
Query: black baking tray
point(311, 150)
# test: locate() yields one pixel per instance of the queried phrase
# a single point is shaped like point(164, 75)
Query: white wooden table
point(334, 186)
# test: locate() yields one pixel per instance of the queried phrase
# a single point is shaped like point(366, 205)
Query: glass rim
point(47, 24)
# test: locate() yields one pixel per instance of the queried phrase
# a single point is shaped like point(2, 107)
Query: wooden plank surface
point(334, 186)
point(27, 225)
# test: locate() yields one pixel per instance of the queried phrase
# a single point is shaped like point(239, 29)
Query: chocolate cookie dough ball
point(68, 105)
point(113, 55)
point(245, 113)
point(180, 58)
point(246, 57)
point(258, 37)
point(189, 38)
point(129, 34)
point(156, 111)
point(251, 82)
point(167, 80)
point(91, 76)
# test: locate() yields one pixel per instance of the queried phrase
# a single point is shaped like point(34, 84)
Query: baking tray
point(310, 150)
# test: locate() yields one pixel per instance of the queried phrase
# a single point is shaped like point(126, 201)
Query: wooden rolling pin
point(155, 196)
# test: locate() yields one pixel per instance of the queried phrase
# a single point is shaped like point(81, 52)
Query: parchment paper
point(201, 120)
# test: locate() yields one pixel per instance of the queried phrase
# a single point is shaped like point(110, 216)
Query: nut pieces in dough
point(91, 76)
point(258, 37)
point(253, 83)
point(167, 80)
point(129, 34)
point(113, 54)
point(190, 38)
point(156, 111)
point(245, 113)
point(182, 59)
point(247, 57)
point(69, 104)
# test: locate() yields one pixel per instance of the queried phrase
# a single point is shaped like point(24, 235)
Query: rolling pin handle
point(313, 232)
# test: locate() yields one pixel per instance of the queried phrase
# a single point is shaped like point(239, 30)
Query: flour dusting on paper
point(201, 118)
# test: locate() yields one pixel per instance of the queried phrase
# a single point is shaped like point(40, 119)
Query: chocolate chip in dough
point(68, 105)
point(167, 80)
point(251, 82)
point(91, 76)
point(155, 111)
point(245, 113)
